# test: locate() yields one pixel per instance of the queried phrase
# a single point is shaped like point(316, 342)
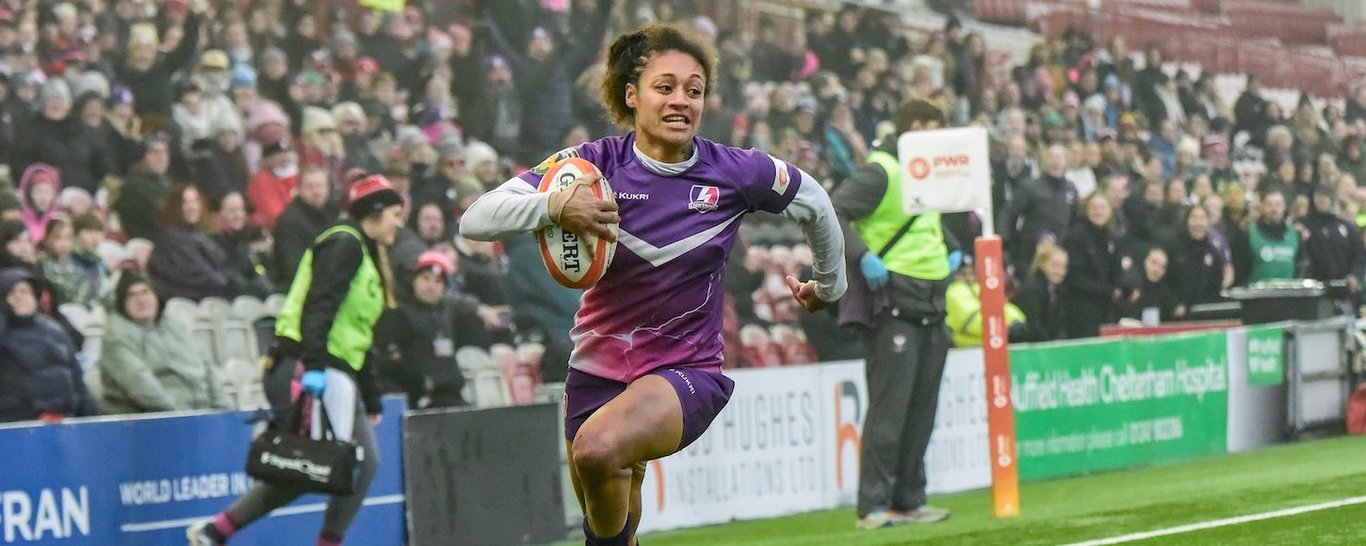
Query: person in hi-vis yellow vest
point(904, 263)
point(342, 286)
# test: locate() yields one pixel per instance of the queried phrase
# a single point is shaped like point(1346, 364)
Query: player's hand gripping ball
point(578, 248)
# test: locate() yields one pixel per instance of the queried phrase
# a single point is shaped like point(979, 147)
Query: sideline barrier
point(140, 480)
point(789, 440)
point(1100, 405)
point(483, 477)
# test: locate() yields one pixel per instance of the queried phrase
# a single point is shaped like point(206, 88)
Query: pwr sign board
point(945, 170)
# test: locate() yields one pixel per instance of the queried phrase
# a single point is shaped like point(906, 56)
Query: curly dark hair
point(630, 53)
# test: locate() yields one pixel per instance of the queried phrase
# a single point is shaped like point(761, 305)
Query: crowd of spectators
point(212, 140)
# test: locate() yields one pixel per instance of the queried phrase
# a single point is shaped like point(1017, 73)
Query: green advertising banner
point(1082, 407)
point(1265, 356)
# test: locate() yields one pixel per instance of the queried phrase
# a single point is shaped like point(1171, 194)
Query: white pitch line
point(286, 511)
point(1223, 522)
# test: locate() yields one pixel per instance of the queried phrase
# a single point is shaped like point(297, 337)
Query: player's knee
point(595, 455)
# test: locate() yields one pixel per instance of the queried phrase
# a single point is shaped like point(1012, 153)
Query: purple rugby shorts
point(702, 393)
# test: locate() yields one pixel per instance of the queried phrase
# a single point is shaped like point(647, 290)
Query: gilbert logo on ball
point(573, 260)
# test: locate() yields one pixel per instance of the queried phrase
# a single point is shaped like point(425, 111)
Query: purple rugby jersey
point(660, 302)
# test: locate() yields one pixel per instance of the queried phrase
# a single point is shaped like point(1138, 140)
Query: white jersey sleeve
point(511, 208)
point(811, 208)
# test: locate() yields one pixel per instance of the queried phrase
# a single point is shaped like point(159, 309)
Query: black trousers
point(904, 367)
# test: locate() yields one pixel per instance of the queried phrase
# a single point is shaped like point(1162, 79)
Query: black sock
point(215, 534)
point(622, 538)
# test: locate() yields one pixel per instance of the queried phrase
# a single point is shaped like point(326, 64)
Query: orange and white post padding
point(1005, 475)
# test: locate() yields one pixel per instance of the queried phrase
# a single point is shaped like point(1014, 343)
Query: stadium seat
point(139, 250)
point(193, 318)
point(112, 254)
point(93, 383)
point(242, 381)
point(233, 336)
point(90, 323)
point(792, 343)
point(181, 309)
point(485, 385)
point(759, 350)
point(248, 308)
point(274, 304)
point(75, 312)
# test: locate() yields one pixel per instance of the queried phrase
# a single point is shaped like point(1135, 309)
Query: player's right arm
point(511, 208)
point(517, 207)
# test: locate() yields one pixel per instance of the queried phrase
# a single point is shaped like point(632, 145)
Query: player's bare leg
point(642, 423)
point(637, 479)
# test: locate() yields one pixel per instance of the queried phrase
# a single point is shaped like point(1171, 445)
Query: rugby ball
point(575, 261)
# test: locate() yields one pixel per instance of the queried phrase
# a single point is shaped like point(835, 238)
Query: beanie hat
point(90, 81)
point(243, 75)
point(56, 88)
point(119, 94)
point(371, 195)
point(316, 120)
point(478, 152)
point(435, 261)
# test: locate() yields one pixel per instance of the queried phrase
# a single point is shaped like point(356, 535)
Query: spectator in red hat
point(272, 187)
point(418, 340)
point(363, 73)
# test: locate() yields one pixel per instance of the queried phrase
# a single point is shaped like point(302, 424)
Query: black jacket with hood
point(39, 372)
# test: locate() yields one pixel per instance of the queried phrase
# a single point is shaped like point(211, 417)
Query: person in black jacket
point(1042, 207)
point(139, 198)
point(1040, 295)
point(219, 165)
point(1332, 246)
point(56, 136)
point(1153, 292)
point(545, 77)
point(149, 77)
point(1196, 266)
point(40, 377)
point(307, 215)
point(418, 341)
point(245, 245)
point(1092, 288)
point(185, 262)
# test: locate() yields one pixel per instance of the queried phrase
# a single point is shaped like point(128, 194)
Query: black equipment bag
point(285, 455)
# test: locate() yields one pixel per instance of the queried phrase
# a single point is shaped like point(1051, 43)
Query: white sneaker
point(924, 514)
point(875, 520)
point(198, 535)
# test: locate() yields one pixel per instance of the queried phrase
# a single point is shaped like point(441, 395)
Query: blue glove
point(873, 270)
point(315, 382)
point(955, 261)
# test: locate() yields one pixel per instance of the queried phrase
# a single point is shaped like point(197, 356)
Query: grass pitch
point(1112, 504)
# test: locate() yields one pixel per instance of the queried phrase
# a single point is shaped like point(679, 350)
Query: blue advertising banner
point(141, 481)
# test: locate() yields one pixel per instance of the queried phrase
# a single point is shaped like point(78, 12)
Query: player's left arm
point(811, 208)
